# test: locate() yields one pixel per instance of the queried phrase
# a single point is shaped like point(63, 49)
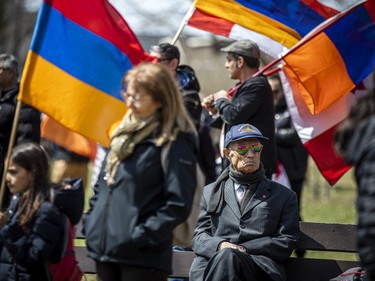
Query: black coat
point(252, 103)
point(290, 150)
point(361, 153)
point(131, 222)
point(189, 87)
point(24, 251)
point(70, 202)
point(28, 128)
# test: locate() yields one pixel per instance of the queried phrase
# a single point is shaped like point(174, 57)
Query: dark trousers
point(233, 265)
point(297, 188)
point(107, 271)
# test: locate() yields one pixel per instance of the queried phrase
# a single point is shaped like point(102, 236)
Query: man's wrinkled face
point(244, 155)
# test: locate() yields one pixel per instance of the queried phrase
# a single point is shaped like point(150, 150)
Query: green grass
point(324, 203)
point(332, 204)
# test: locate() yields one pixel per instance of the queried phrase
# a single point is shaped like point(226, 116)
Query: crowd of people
point(156, 186)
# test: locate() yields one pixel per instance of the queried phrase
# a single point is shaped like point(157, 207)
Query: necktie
point(241, 193)
point(248, 193)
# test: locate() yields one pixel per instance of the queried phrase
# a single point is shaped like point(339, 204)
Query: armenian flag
point(79, 52)
point(316, 130)
point(274, 25)
point(320, 78)
point(330, 62)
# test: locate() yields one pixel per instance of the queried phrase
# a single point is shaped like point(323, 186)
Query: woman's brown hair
point(158, 82)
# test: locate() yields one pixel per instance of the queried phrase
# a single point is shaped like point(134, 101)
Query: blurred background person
point(71, 153)
point(291, 154)
point(169, 55)
point(355, 141)
point(138, 201)
point(28, 127)
point(66, 163)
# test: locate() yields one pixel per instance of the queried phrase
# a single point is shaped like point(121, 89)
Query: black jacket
point(189, 87)
point(28, 128)
point(252, 103)
point(132, 221)
point(25, 251)
point(70, 202)
point(361, 153)
point(290, 150)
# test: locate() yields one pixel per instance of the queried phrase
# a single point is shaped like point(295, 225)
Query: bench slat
point(181, 263)
point(328, 237)
point(307, 269)
point(298, 269)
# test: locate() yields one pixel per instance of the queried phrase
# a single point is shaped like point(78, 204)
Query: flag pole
point(10, 147)
point(272, 71)
point(183, 24)
point(268, 66)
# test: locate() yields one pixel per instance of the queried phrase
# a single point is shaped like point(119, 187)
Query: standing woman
point(140, 198)
point(32, 230)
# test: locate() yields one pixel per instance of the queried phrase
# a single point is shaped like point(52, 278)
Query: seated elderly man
point(248, 225)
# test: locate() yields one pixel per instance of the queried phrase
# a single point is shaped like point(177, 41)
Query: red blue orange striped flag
point(319, 73)
point(272, 24)
point(318, 76)
point(78, 55)
point(330, 62)
point(316, 130)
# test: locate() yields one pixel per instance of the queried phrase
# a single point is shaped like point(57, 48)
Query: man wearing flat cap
point(248, 225)
point(250, 101)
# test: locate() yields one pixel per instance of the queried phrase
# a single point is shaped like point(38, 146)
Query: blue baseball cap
point(242, 131)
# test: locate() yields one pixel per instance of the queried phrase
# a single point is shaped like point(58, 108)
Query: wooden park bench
point(323, 237)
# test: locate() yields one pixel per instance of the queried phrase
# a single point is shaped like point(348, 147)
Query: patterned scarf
point(127, 135)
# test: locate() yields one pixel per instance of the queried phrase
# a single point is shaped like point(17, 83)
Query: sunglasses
point(242, 149)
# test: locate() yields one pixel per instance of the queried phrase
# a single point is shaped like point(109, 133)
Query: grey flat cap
point(246, 48)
